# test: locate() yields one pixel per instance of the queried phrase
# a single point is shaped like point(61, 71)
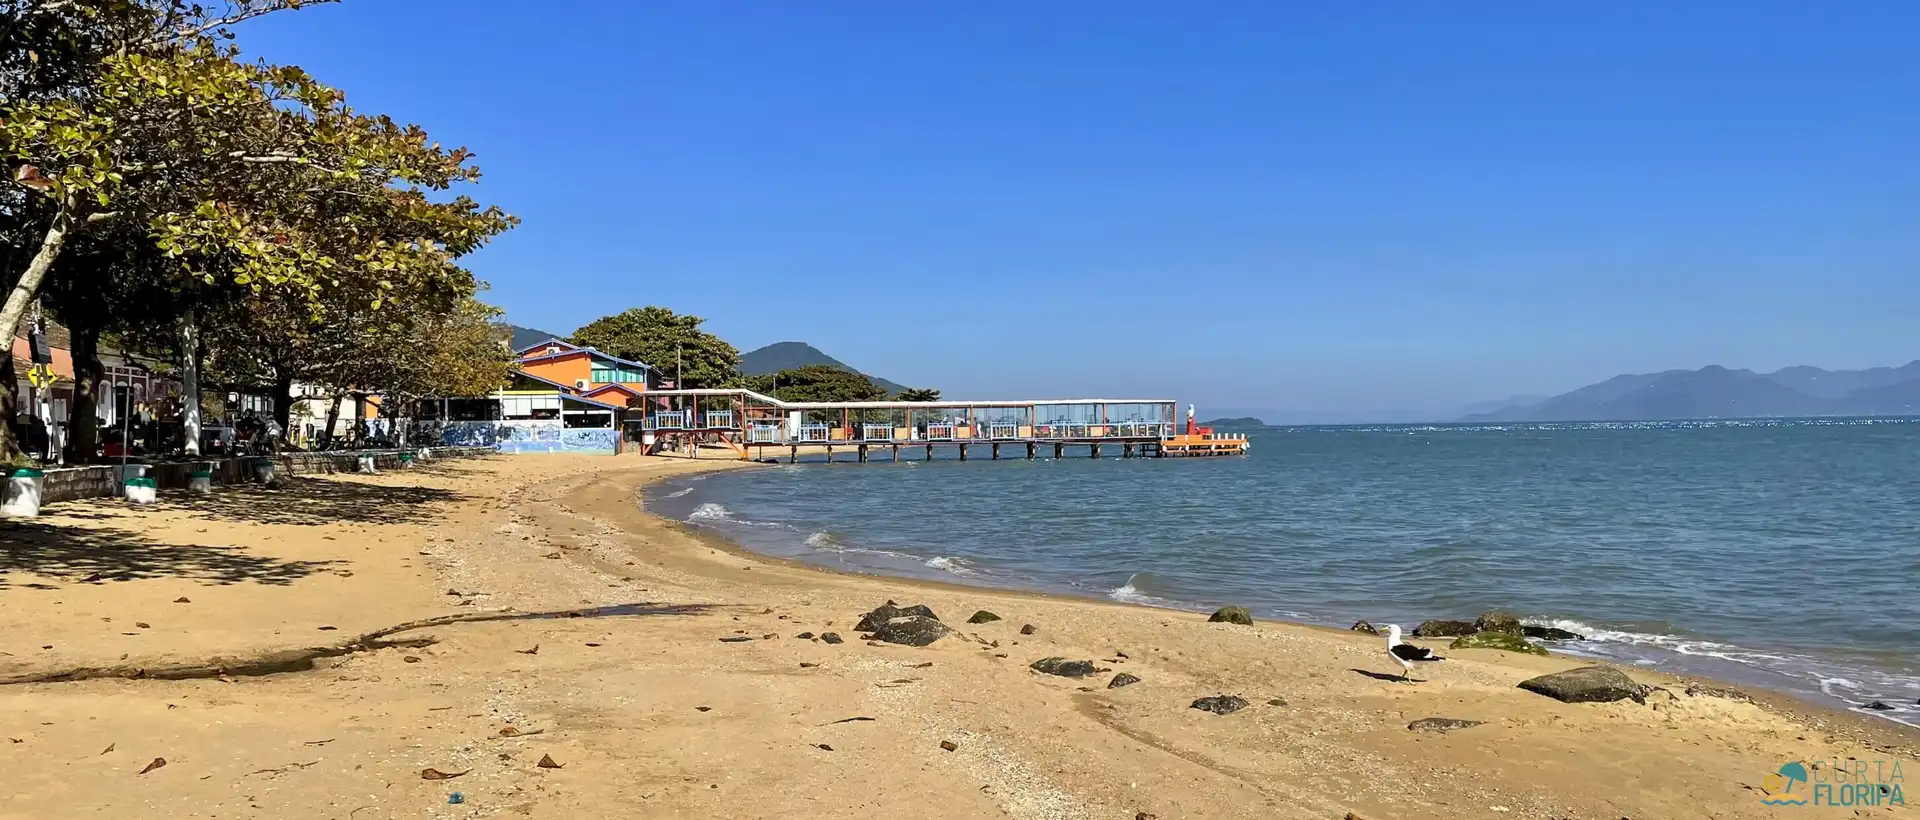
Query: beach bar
point(756, 426)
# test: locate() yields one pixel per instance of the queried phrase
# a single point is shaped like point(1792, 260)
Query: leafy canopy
point(817, 382)
point(657, 336)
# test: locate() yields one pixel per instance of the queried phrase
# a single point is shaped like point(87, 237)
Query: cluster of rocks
point(1494, 630)
point(905, 625)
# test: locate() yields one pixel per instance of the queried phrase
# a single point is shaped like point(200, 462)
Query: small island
point(1238, 423)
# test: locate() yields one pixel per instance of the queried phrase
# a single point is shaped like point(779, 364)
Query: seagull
point(1407, 654)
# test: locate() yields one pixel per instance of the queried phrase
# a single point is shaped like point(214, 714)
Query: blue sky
point(1336, 210)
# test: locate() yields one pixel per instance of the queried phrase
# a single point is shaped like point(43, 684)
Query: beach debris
point(436, 774)
point(1549, 633)
point(1506, 622)
point(1442, 725)
point(807, 665)
point(327, 628)
point(1352, 816)
point(16, 740)
point(736, 639)
point(108, 749)
point(1696, 689)
point(534, 651)
point(1231, 615)
point(1443, 629)
point(91, 578)
point(912, 630)
point(855, 719)
point(157, 763)
point(1879, 706)
point(922, 665)
point(1145, 816)
point(982, 617)
point(410, 658)
point(1587, 684)
point(456, 798)
point(1220, 704)
point(183, 600)
point(591, 643)
point(1065, 668)
point(830, 637)
point(1364, 627)
point(1506, 641)
point(1027, 629)
point(823, 747)
point(1276, 701)
point(888, 611)
point(316, 742)
point(547, 762)
point(805, 636)
point(551, 555)
point(702, 708)
point(1122, 679)
point(768, 637)
point(949, 745)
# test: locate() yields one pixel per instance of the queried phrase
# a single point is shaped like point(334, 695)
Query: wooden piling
point(793, 454)
point(1096, 450)
point(1059, 451)
point(963, 452)
point(996, 451)
point(863, 454)
point(1029, 451)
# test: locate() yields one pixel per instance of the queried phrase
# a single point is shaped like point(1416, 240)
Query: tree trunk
point(10, 452)
point(283, 406)
point(333, 418)
point(15, 309)
point(190, 381)
point(83, 424)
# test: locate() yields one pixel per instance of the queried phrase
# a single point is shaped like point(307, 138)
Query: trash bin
point(24, 485)
point(264, 471)
point(143, 490)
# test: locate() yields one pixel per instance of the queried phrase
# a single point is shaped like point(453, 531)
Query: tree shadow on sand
point(99, 555)
point(315, 501)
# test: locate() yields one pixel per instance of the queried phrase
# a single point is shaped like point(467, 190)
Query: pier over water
point(756, 426)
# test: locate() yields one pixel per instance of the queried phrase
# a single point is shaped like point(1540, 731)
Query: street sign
point(41, 376)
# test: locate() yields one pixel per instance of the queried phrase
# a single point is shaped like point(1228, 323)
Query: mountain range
point(1720, 392)
point(770, 359)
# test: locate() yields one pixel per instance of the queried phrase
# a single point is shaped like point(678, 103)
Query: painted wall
point(563, 369)
point(542, 436)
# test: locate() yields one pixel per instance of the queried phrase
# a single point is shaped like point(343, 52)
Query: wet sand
point(653, 714)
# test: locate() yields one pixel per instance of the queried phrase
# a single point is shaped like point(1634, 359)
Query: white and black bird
point(1407, 654)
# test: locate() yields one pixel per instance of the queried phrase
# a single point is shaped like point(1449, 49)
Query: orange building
point(591, 373)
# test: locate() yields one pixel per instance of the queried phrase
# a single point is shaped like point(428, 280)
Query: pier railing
point(665, 420)
point(940, 432)
point(719, 418)
point(876, 432)
point(764, 434)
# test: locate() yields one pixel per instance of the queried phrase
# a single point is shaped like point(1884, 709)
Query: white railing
point(998, 430)
point(666, 420)
point(814, 433)
point(940, 432)
point(719, 418)
point(764, 434)
point(876, 432)
point(1142, 429)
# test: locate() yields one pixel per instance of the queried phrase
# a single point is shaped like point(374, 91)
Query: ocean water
point(1779, 553)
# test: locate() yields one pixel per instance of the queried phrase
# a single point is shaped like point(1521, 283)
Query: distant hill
point(788, 355)
point(1720, 392)
point(524, 336)
point(1236, 423)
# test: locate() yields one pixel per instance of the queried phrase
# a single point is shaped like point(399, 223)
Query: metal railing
point(719, 418)
point(814, 433)
point(940, 432)
point(876, 432)
point(666, 420)
point(764, 434)
point(997, 430)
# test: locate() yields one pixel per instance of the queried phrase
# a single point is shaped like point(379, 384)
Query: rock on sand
point(1587, 684)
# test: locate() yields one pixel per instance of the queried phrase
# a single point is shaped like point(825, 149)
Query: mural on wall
point(542, 436)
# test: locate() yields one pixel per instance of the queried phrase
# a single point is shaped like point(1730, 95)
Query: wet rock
point(983, 617)
point(1363, 626)
point(1231, 615)
point(1505, 622)
point(1029, 629)
point(1065, 668)
point(1497, 640)
point(1440, 724)
point(1587, 684)
point(912, 630)
point(1221, 704)
point(1548, 633)
point(1443, 629)
point(1122, 679)
point(1879, 706)
point(889, 611)
point(1696, 689)
point(830, 637)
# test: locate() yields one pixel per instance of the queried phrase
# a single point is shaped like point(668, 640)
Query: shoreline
point(1797, 703)
point(666, 672)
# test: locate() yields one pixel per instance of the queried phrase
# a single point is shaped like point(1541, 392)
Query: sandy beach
point(694, 696)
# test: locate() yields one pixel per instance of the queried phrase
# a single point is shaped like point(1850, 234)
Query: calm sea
point(1779, 553)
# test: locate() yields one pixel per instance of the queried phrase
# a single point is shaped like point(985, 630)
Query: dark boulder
point(889, 611)
point(911, 630)
point(1065, 668)
point(1029, 629)
point(805, 636)
point(1504, 622)
point(1587, 684)
point(1879, 706)
point(1443, 629)
point(1122, 679)
point(1548, 633)
point(1231, 615)
point(1221, 704)
point(1497, 640)
point(830, 637)
point(983, 617)
point(1363, 626)
point(1440, 724)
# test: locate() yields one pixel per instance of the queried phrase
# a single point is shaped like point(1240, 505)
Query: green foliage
point(817, 382)
point(919, 394)
point(667, 341)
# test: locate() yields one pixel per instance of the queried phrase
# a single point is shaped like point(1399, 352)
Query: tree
point(670, 343)
point(919, 394)
point(817, 382)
